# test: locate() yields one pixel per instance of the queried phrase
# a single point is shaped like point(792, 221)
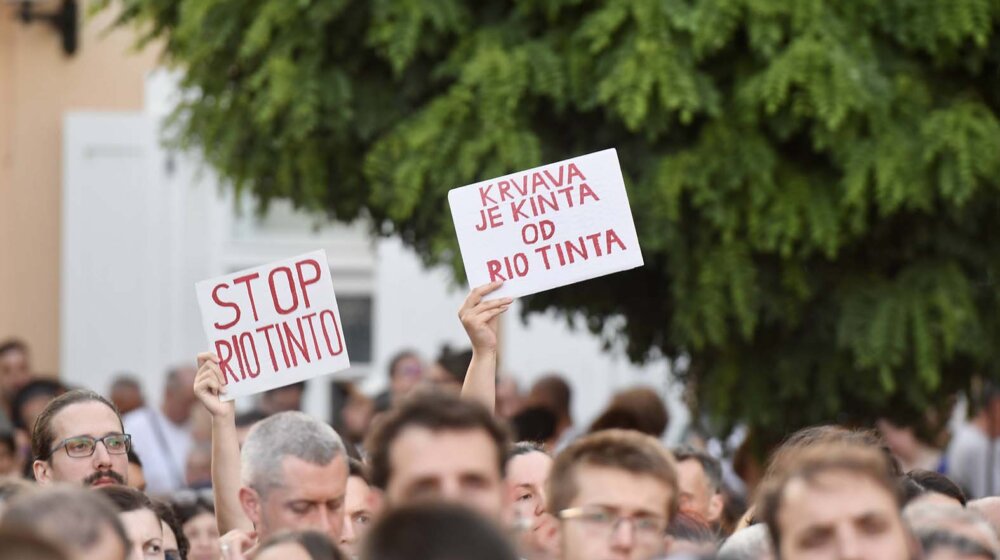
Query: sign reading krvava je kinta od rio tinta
point(546, 227)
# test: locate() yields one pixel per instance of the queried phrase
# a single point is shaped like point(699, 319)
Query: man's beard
point(93, 478)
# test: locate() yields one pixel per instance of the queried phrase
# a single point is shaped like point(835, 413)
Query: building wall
point(39, 84)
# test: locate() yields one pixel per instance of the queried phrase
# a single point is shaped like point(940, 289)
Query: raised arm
point(225, 446)
point(481, 320)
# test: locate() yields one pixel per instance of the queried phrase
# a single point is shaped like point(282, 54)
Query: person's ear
point(252, 505)
point(43, 471)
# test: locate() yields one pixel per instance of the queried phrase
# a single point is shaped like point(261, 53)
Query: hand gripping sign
point(546, 227)
point(274, 325)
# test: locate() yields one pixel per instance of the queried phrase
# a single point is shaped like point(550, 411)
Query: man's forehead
point(620, 488)
point(85, 418)
point(829, 497)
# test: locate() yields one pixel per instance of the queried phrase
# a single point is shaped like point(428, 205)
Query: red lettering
point(303, 282)
point(312, 330)
point(215, 298)
point(552, 179)
point(493, 266)
point(224, 358)
point(574, 171)
point(246, 280)
point(612, 237)
point(326, 332)
point(571, 248)
point(586, 191)
point(504, 188)
point(299, 343)
point(484, 195)
point(270, 345)
point(254, 372)
point(544, 252)
point(291, 286)
point(516, 209)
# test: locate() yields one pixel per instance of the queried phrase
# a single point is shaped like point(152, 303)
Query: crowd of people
point(453, 462)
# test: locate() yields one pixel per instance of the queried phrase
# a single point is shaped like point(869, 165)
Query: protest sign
point(546, 227)
point(274, 325)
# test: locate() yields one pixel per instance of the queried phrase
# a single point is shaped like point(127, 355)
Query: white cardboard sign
point(546, 227)
point(274, 325)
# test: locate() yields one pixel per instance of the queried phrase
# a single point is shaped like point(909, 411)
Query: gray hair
point(286, 434)
point(751, 543)
point(930, 520)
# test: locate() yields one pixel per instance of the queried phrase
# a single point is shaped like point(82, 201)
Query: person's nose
point(848, 544)
point(101, 457)
point(623, 535)
point(451, 489)
point(347, 532)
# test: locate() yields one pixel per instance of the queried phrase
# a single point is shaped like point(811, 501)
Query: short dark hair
point(812, 461)
point(553, 392)
point(523, 448)
point(74, 516)
point(435, 532)
point(455, 362)
point(126, 499)
point(50, 388)
point(7, 440)
point(358, 469)
point(126, 380)
point(629, 451)
point(42, 437)
point(399, 357)
point(534, 423)
point(187, 510)
point(918, 482)
point(438, 412)
point(639, 409)
point(13, 345)
point(709, 464)
point(249, 418)
point(317, 545)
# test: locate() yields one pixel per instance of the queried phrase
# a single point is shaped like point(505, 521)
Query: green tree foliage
point(816, 183)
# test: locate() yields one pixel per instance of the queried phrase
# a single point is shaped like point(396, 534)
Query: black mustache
point(90, 480)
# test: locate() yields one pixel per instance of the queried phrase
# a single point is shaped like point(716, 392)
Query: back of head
point(74, 517)
point(437, 412)
point(810, 462)
point(35, 389)
point(989, 508)
point(317, 545)
point(919, 482)
point(950, 526)
point(751, 543)
point(455, 362)
point(553, 392)
point(42, 435)
point(628, 451)
point(286, 434)
point(23, 545)
point(647, 407)
point(126, 499)
point(435, 532)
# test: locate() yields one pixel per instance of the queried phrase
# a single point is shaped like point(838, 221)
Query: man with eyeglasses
point(613, 492)
point(79, 438)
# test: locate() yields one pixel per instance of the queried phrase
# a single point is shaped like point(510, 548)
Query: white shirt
point(162, 446)
point(968, 461)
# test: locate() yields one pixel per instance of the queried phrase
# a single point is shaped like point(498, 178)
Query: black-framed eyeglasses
point(84, 446)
